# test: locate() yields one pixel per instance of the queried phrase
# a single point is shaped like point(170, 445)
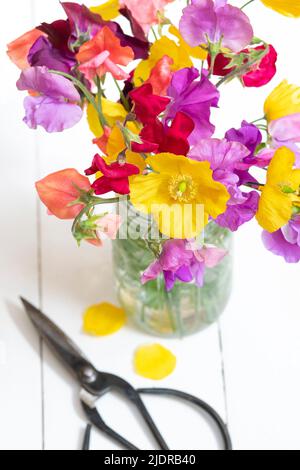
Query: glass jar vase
point(184, 310)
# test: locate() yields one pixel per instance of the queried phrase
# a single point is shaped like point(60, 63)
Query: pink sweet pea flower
point(145, 12)
point(284, 132)
point(109, 225)
point(103, 54)
point(59, 190)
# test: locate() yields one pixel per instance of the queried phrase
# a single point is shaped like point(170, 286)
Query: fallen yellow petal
point(154, 362)
point(103, 319)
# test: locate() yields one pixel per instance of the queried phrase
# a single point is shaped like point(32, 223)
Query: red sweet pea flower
point(59, 190)
point(220, 65)
point(260, 74)
point(160, 138)
point(147, 105)
point(115, 176)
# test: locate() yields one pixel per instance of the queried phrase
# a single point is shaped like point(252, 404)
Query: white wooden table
point(247, 367)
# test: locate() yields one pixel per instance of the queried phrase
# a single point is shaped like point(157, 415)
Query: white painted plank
point(261, 329)
point(20, 390)
point(75, 278)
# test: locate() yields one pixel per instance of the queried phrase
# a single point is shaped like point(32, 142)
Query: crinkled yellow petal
point(112, 111)
point(154, 362)
point(283, 101)
point(108, 11)
point(136, 159)
point(274, 210)
point(280, 167)
point(159, 49)
point(196, 52)
point(116, 142)
point(177, 219)
point(275, 206)
point(285, 7)
point(103, 319)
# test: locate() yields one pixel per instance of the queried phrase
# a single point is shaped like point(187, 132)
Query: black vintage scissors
point(95, 384)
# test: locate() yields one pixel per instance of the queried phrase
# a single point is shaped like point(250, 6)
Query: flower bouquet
point(160, 185)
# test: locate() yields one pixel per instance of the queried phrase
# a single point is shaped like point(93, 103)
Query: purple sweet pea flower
point(248, 135)
point(43, 53)
point(194, 98)
point(178, 261)
point(206, 20)
point(238, 214)
point(285, 242)
point(54, 108)
point(225, 158)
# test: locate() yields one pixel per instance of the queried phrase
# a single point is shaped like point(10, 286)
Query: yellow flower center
point(182, 188)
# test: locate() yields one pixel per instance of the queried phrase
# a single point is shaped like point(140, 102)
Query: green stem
point(257, 120)
point(243, 69)
point(246, 4)
point(122, 96)
point(94, 202)
point(102, 119)
point(89, 96)
point(154, 33)
point(253, 185)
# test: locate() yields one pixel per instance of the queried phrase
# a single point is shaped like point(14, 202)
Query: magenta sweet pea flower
point(285, 242)
point(179, 261)
point(216, 22)
point(194, 98)
point(174, 263)
point(54, 108)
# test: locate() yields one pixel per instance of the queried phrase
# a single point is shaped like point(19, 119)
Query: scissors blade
point(59, 342)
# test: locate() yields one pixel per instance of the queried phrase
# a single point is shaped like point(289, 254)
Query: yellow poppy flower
point(108, 11)
point(112, 112)
point(103, 319)
point(285, 7)
point(196, 52)
point(283, 101)
point(159, 49)
point(280, 192)
point(154, 362)
point(180, 194)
